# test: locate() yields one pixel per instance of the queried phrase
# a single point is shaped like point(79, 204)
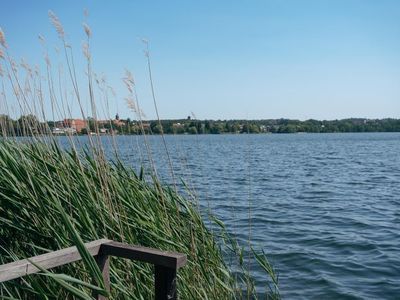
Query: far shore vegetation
point(190, 125)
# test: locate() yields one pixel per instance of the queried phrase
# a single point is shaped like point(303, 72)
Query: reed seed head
point(41, 39)
point(47, 60)
point(87, 29)
point(3, 38)
point(85, 50)
point(130, 102)
point(26, 67)
point(129, 81)
point(57, 24)
point(36, 70)
point(13, 65)
point(146, 50)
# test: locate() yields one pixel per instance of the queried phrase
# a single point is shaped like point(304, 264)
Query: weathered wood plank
point(171, 260)
point(46, 261)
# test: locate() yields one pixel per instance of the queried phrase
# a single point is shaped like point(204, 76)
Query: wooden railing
point(166, 264)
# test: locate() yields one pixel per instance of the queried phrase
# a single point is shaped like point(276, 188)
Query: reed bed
point(40, 184)
point(52, 198)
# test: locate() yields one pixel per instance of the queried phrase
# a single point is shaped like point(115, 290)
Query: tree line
point(29, 124)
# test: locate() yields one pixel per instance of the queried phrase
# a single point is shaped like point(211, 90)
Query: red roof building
point(77, 124)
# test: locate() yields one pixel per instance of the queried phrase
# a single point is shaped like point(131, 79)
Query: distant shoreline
point(226, 133)
point(28, 125)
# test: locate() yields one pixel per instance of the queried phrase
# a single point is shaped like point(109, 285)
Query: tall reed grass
point(52, 197)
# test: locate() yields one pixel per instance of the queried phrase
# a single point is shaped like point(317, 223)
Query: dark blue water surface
point(324, 207)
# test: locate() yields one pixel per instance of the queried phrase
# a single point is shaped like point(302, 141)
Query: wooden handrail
point(166, 264)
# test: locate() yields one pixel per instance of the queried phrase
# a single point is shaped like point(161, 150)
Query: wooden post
point(165, 283)
point(103, 261)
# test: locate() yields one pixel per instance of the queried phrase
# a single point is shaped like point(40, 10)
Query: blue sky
point(322, 59)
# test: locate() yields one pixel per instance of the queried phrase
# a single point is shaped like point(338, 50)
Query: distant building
point(57, 130)
point(76, 124)
point(63, 131)
point(118, 122)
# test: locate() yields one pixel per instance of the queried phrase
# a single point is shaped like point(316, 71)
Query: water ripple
point(325, 207)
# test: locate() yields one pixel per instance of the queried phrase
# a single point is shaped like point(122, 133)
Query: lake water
point(324, 207)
